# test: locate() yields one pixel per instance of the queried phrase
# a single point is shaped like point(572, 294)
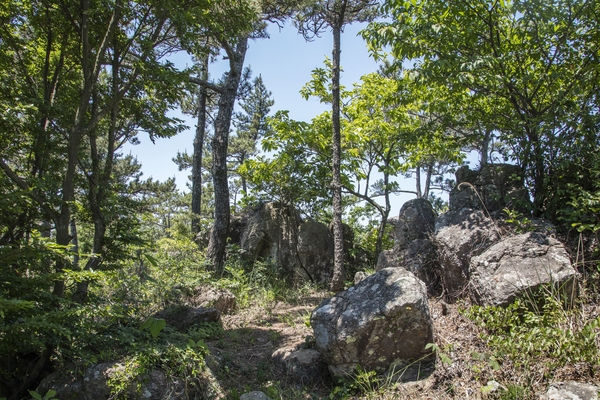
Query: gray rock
point(360, 276)
point(272, 234)
point(413, 248)
point(94, 384)
point(64, 382)
point(211, 297)
point(419, 257)
point(183, 318)
point(254, 396)
point(492, 188)
point(571, 391)
point(386, 259)
point(315, 252)
point(304, 366)
point(518, 265)
point(459, 236)
point(416, 221)
point(381, 323)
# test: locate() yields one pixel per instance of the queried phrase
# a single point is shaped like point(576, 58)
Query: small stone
point(254, 396)
point(571, 391)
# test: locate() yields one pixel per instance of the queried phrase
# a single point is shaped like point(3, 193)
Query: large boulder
point(382, 324)
point(413, 246)
point(415, 221)
point(272, 234)
point(386, 259)
point(460, 235)
point(517, 266)
point(315, 252)
point(492, 188)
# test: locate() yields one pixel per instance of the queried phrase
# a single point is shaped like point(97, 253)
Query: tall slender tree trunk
point(198, 150)
point(485, 147)
point(418, 181)
point(428, 180)
point(218, 234)
point(337, 281)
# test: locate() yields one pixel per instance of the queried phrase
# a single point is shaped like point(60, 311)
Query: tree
point(387, 132)
point(79, 79)
point(251, 125)
point(521, 64)
point(311, 21)
point(236, 51)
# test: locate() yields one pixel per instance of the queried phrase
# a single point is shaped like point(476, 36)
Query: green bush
point(546, 338)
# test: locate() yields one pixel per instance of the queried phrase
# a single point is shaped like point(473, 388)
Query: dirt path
point(241, 356)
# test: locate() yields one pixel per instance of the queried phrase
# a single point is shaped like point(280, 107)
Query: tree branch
point(205, 84)
point(50, 213)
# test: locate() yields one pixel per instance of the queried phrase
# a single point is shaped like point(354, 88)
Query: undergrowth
point(538, 344)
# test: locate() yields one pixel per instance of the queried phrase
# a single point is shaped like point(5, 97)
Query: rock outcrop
point(460, 235)
point(301, 251)
point(272, 233)
point(413, 248)
point(518, 265)
point(492, 188)
point(382, 323)
point(472, 251)
point(315, 252)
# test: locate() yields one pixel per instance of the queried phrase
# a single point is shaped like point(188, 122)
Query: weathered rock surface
point(492, 188)
point(517, 265)
point(210, 297)
point(382, 323)
point(94, 384)
point(413, 248)
point(360, 276)
point(315, 252)
point(183, 318)
point(304, 366)
point(460, 235)
point(272, 233)
point(387, 259)
point(571, 391)
point(254, 396)
point(415, 221)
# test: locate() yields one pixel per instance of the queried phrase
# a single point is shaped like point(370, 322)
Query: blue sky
point(285, 61)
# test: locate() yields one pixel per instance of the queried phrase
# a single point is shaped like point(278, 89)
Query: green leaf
point(35, 395)
point(50, 394)
point(151, 260)
point(445, 359)
point(154, 325)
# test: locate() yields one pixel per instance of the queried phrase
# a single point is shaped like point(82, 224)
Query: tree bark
point(218, 234)
point(337, 281)
point(198, 150)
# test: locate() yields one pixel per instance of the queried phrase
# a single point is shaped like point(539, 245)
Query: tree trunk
point(337, 281)
point(485, 147)
point(428, 180)
point(418, 179)
point(198, 150)
point(218, 234)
